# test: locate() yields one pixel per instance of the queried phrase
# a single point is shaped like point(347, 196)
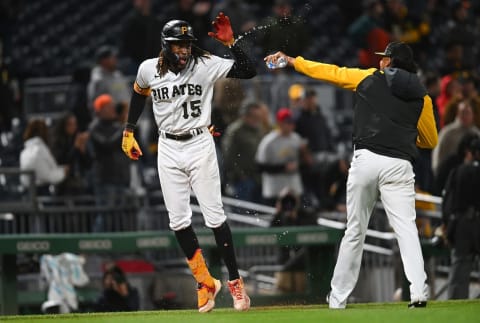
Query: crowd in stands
point(278, 141)
point(270, 140)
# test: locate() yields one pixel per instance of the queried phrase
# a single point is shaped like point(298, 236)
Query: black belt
point(180, 137)
point(183, 136)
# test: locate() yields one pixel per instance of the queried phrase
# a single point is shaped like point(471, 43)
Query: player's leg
point(205, 180)
point(208, 287)
point(361, 197)
point(176, 193)
point(397, 192)
point(462, 255)
point(459, 276)
point(223, 238)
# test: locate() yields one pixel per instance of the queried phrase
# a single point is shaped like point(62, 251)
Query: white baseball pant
point(372, 174)
point(186, 165)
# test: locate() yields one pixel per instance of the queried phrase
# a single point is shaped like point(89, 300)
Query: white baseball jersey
point(182, 101)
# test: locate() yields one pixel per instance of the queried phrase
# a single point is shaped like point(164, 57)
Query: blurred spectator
point(36, 156)
point(450, 89)
point(284, 31)
point(107, 79)
point(408, 26)
point(9, 96)
point(327, 176)
point(461, 216)
point(227, 100)
point(228, 95)
point(265, 119)
point(449, 137)
point(117, 295)
point(451, 162)
point(470, 88)
point(461, 33)
point(9, 11)
point(296, 95)
point(279, 90)
point(70, 148)
point(432, 83)
point(368, 33)
point(240, 143)
point(453, 63)
point(436, 10)
point(141, 33)
point(289, 212)
point(452, 106)
point(78, 98)
point(350, 10)
point(278, 157)
point(111, 168)
point(312, 125)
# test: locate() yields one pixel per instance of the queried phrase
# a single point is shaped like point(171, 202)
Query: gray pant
point(465, 247)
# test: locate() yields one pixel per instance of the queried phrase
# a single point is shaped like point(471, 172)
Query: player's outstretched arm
point(243, 68)
point(129, 143)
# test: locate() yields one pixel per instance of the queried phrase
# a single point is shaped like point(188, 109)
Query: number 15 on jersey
point(191, 109)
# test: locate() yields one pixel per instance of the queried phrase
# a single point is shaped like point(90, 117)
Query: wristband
point(130, 127)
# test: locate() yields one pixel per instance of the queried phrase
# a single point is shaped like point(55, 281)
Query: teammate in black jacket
point(392, 116)
point(461, 215)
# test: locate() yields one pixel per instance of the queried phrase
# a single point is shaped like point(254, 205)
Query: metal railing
point(77, 214)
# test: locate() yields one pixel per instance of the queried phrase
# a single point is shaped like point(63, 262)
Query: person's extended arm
point(427, 129)
point(243, 68)
point(344, 77)
point(137, 103)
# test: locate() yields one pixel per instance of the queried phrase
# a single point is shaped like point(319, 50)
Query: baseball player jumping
point(180, 82)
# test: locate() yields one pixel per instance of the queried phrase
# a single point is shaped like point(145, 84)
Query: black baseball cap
point(398, 50)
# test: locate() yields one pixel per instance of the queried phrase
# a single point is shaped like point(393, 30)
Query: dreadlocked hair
point(164, 63)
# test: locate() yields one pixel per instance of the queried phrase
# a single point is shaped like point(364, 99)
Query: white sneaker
point(333, 303)
point(241, 301)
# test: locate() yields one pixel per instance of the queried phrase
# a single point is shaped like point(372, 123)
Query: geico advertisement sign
point(33, 245)
point(104, 244)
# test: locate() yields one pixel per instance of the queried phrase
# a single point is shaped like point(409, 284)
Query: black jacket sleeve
point(243, 68)
point(137, 103)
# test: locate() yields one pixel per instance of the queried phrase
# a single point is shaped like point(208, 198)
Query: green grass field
point(436, 312)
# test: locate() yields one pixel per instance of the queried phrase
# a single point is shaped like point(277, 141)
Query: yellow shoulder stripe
point(140, 90)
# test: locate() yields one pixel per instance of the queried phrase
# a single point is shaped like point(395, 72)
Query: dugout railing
point(40, 215)
point(320, 260)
